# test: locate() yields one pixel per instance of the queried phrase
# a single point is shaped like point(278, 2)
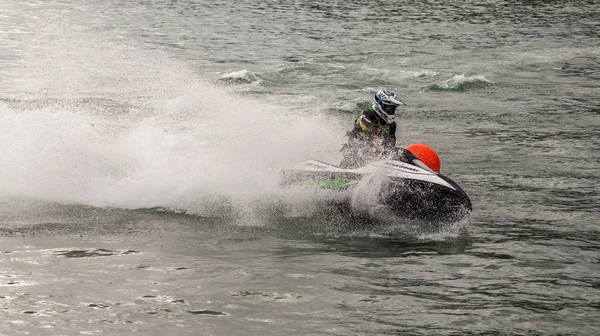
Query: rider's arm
point(364, 123)
point(390, 139)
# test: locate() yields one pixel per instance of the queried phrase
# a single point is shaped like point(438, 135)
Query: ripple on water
point(271, 296)
point(90, 253)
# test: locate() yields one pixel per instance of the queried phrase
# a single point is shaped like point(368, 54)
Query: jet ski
point(407, 190)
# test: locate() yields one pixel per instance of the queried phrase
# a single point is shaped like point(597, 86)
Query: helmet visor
point(389, 109)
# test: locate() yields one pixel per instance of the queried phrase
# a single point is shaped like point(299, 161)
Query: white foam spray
point(458, 81)
point(123, 129)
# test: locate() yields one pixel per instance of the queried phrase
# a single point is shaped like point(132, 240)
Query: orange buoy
point(427, 155)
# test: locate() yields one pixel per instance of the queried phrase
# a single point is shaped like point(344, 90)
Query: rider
point(374, 134)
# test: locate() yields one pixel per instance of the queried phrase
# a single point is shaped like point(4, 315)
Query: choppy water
point(140, 143)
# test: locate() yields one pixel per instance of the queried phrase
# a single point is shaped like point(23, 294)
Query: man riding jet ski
point(414, 187)
point(374, 135)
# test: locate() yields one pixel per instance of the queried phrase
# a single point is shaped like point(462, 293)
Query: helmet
point(385, 103)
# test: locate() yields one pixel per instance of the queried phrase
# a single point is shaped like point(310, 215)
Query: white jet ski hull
point(408, 191)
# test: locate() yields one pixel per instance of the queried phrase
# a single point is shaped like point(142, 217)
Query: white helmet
point(385, 103)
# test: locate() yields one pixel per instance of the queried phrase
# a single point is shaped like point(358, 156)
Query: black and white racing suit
point(371, 139)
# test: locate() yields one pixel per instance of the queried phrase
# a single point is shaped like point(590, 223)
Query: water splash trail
point(106, 124)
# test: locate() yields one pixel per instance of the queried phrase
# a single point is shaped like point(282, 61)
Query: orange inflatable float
point(427, 155)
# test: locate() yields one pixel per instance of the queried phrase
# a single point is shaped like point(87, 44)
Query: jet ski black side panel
point(423, 200)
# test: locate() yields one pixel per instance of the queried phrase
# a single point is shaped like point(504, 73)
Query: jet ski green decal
point(335, 183)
